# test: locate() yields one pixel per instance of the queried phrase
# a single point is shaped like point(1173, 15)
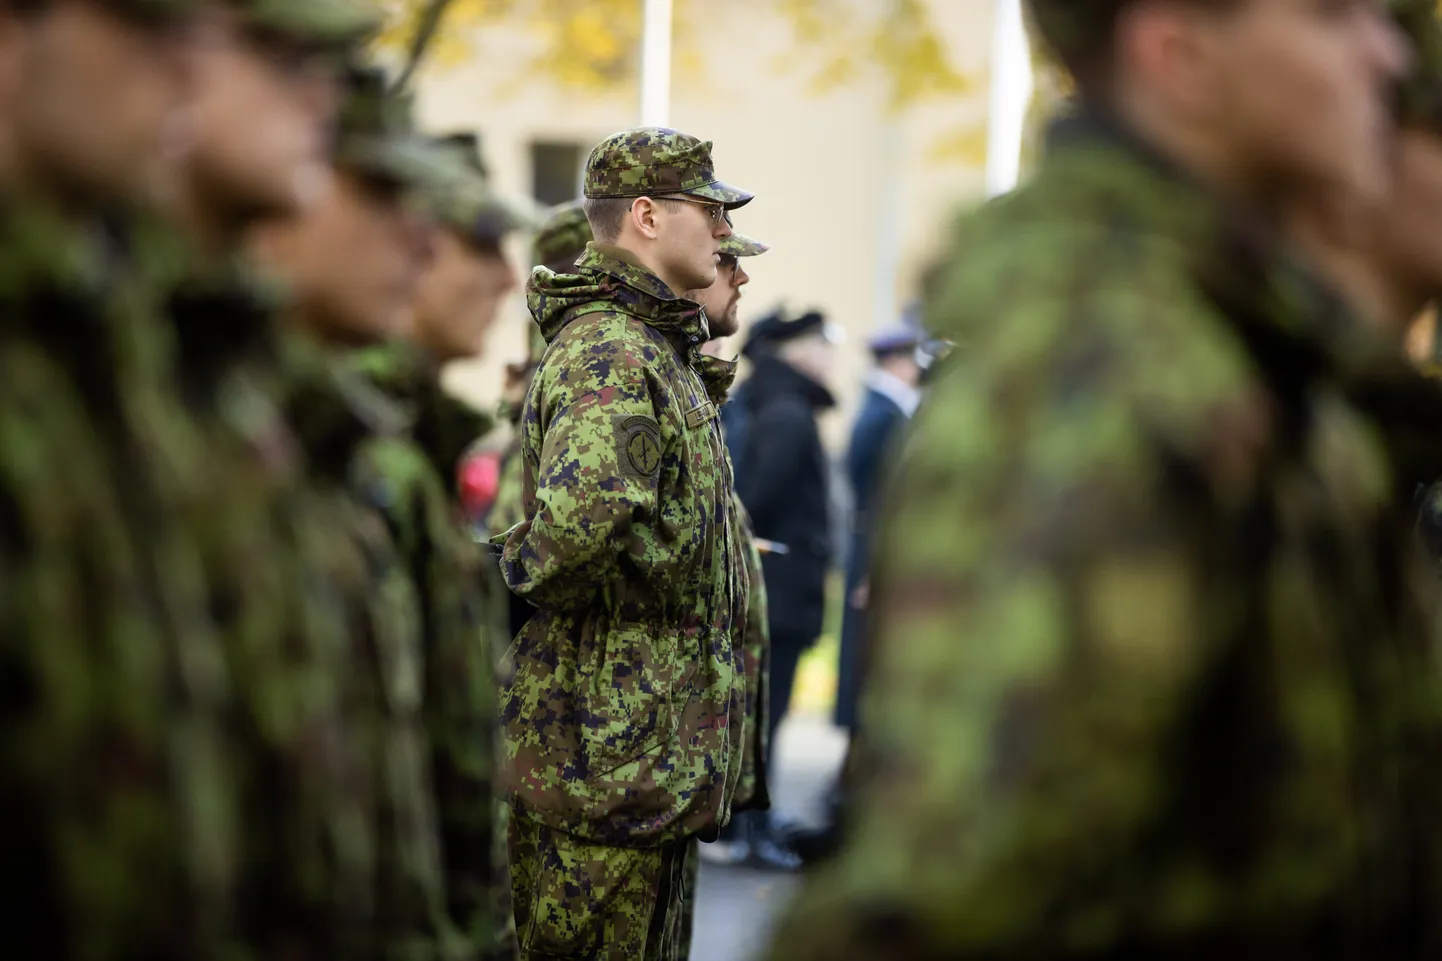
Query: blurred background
point(861, 125)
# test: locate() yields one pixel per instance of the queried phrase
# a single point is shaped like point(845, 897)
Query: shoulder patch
point(639, 441)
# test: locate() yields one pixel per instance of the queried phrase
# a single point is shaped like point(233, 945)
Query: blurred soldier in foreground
point(1153, 676)
point(419, 658)
point(745, 839)
point(105, 852)
point(623, 722)
point(462, 599)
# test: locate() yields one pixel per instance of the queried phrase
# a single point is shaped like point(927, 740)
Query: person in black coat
point(782, 476)
point(893, 391)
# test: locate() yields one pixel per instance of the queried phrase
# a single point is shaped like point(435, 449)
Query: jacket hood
point(608, 275)
point(773, 377)
point(443, 425)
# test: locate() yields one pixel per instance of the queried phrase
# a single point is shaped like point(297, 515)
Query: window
point(556, 172)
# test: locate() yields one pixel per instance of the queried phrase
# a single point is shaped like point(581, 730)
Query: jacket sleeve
point(594, 453)
point(778, 440)
point(1039, 624)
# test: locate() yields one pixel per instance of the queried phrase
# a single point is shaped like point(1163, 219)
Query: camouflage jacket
point(410, 477)
point(1155, 675)
point(751, 791)
point(623, 720)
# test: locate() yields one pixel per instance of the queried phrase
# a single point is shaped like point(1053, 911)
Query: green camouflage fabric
point(340, 836)
point(740, 245)
point(648, 161)
point(410, 715)
point(562, 236)
point(576, 899)
point(333, 23)
point(1419, 96)
point(623, 720)
point(410, 477)
point(751, 790)
point(477, 210)
point(121, 837)
point(1156, 673)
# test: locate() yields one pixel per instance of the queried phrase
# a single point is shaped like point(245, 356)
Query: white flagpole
point(1011, 86)
point(656, 64)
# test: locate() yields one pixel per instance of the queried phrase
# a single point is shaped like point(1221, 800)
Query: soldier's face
point(1408, 241)
point(460, 295)
point(263, 114)
point(1298, 90)
point(722, 299)
point(351, 260)
point(98, 102)
point(689, 243)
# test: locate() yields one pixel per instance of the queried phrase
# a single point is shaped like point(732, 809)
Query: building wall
point(850, 196)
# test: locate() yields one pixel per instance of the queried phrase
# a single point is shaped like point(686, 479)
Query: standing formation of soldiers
point(1154, 656)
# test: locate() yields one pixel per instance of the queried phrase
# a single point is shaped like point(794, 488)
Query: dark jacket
point(875, 434)
point(784, 487)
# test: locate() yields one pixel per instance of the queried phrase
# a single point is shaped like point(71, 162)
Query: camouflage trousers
point(574, 899)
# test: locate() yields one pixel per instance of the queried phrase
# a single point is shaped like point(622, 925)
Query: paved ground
point(735, 907)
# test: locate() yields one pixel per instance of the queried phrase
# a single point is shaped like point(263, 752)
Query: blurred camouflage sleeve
point(1038, 624)
point(592, 445)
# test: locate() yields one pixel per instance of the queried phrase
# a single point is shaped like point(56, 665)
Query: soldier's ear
point(645, 214)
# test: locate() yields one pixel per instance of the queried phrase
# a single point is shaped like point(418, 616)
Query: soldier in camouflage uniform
point(735, 845)
point(1155, 673)
point(745, 838)
point(623, 721)
point(462, 600)
point(417, 636)
point(105, 844)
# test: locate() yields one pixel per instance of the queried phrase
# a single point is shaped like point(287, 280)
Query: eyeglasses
point(717, 212)
point(729, 261)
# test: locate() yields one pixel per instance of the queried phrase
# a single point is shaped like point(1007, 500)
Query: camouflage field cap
point(653, 161)
point(563, 235)
point(1419, 95)
point(475, 208)
point(740, 245)
point(376, 136)
point(327, 22)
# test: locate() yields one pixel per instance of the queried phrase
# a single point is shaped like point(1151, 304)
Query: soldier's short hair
point(607, 214)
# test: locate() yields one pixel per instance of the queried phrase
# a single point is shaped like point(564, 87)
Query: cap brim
point(410, 161)
point(725, 194)
point(739, 245)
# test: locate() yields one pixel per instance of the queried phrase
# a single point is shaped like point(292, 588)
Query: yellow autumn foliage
point(592, 44)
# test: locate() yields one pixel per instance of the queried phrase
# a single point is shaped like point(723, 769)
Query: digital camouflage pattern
point(409, 477)
point(739, 245)
point(623, 720)
point(1155, 672)
point(561, 239)
point(650, 161)
point(576, 899)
